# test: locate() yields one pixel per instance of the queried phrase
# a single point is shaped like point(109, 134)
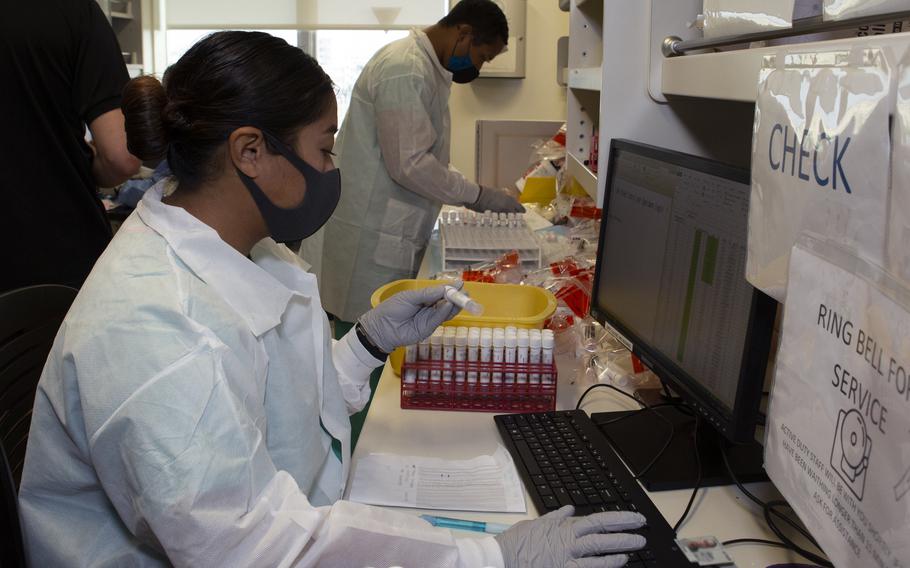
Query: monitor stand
point(637, 439)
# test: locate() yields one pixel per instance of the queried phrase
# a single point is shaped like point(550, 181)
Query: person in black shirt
point(62, 70)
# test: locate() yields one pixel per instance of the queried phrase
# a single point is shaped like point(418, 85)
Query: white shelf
point(584, 176)
point(122, 15)
point(586, 78)
point(733, 75)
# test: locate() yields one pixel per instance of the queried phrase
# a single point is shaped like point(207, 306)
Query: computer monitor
point(670, 281)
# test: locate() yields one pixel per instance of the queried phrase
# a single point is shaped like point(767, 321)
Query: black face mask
point(323, 190)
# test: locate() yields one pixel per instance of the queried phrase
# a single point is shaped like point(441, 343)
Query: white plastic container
point(436, 353)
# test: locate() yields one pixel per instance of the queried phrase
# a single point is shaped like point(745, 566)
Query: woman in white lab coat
point(194, 410)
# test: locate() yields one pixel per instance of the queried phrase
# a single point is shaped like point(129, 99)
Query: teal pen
point(479, 526)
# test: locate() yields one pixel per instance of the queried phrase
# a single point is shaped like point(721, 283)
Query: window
point(342, 53)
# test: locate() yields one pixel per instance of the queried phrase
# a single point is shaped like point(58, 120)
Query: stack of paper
point(484, 483)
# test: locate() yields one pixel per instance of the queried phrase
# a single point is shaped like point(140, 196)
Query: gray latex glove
point(496, 200)
point(408, 317)
point(557, 540)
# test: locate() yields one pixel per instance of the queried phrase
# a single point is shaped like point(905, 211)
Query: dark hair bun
point(144, 99)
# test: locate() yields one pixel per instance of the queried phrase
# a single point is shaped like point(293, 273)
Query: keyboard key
point(578, 497)
point(527, 457)
point(551, 502)
point(563, 496)
point(607, 495)
point(538, 479)
point(544, 490)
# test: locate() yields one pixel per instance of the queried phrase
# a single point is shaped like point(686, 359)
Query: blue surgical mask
point(323, 190)
point(462, 67)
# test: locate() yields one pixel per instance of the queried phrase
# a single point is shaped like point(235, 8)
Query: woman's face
point(314, 145)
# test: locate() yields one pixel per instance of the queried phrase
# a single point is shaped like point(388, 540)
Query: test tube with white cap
point(448, 353)
point(423, 354)
point(511, 342)
point(462, 300)
point(473, 351)
point(521, 355)
point(436, 353)
point(499, 340)
point(461, 352)
point(548, 341)
point(486, 353)
point(410, 356)
point(534, 354)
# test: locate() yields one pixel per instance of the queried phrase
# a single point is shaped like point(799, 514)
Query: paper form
point(485, 483)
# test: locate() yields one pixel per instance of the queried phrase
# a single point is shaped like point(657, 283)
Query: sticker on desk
point(705, 550)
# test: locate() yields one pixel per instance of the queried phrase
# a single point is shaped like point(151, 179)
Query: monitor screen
point(671, 279)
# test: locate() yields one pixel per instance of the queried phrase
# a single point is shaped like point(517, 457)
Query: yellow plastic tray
point(504, 304)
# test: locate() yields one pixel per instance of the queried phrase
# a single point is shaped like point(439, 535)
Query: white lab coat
point(186, 415)
point(393, 153)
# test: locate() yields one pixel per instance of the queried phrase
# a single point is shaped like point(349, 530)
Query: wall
point(536, 97)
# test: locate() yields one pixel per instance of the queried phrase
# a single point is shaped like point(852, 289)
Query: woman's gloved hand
point(496, 200)
point(557, 540)
point(408, 317)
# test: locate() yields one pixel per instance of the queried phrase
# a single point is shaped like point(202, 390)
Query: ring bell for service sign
point(838, 428)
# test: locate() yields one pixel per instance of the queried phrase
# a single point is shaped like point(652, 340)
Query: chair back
point(29, 320)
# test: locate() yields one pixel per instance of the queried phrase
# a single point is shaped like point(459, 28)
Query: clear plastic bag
point(737, 17)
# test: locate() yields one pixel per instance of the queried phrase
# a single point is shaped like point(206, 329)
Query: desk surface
point(720, 511)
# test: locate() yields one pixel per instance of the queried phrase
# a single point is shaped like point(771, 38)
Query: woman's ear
point(246, 148)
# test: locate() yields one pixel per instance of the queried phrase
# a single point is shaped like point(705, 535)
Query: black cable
point(769, 509)
point(632, 413)
point(697, 478)
point(756, 500)
point(666, 445)
point(606, 386)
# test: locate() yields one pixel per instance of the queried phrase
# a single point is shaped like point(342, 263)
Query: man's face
point(485, 52)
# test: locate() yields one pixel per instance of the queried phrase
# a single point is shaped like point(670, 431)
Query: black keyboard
point(564, 459)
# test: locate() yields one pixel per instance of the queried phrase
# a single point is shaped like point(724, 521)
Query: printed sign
point(820, 158)
point(838, 427)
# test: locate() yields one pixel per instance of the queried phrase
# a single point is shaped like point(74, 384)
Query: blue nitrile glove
point(557, 540)
point(409, 317)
